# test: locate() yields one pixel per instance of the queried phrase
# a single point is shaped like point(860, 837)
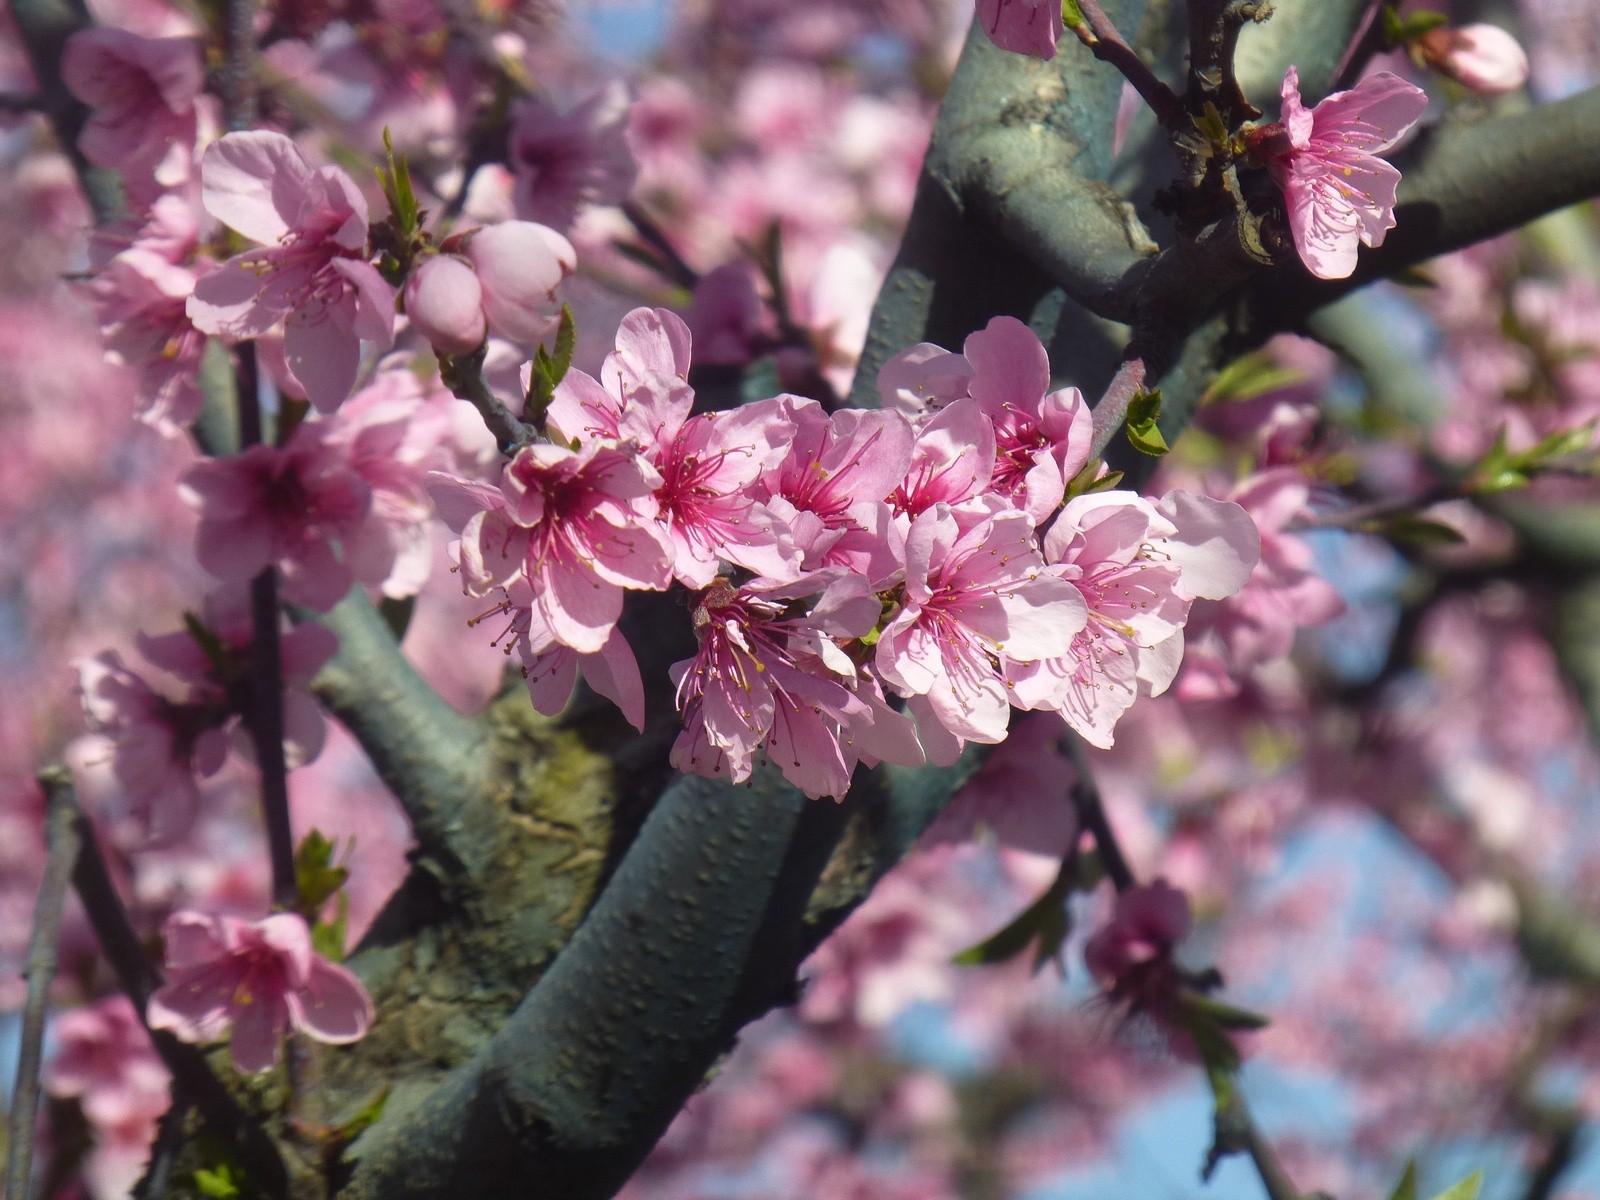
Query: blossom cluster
point(950, 550)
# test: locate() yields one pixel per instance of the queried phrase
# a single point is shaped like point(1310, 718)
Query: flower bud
point(1484, 58)
point(445, 302)
point(520, 265)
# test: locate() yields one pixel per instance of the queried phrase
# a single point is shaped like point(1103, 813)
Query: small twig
point(43, 945)
point(1092, 814)
point(191, 1074)
point(1100, 35)
point(1237, 1132)
point(238, 77)
point(1367, 40)
point(1112, 409)
point(463, 375)
point(672, 264)
point(157, 1179)
point(1359, 515)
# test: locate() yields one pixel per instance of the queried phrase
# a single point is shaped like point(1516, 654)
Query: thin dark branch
point(239, 104)
point(139, 978)
point(1238, 1133)
point(1092, 813)
point(18, 102)
point(463, 375)
point(170, 1134)
point(266, 732)
point(672, 264)
point(1566, 1141)
point(1367, 41)
point(1109, 46)
point(64, 844)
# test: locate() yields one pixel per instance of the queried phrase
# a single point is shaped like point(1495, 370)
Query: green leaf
point(566, 343)
point(1406, 1189)
point(328, 937)
point(348, 1132)
point(1072, 15)
point(1228, 1016)
point(1409, 529)
point(1211, 125)
point(217, 654)
point(316, 878)
point(1144, 413)
point(222, 1182)
point(1467, 1189)
point(1419, 23)
point(1045, 921)
point(1249, 376)
point(396, 182)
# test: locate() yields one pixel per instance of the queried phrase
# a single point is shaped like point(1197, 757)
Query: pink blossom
point(974, 595)
point(444, 300)
point(564, 161)
point(1139, 568)
point(709, 464)
point(1042, 437)
point(1029, 27)
point(1339, 193)
point(1484, 58)
point(1231, 637)
point(831, 487)
point(311, 272)
point(520, 268)
point(157, 746)
point(952, 460)
point(300, 507)
point(613, 672)
point(768, 674)
point(575, 527)
point(1147, 923)
point(260, 978)
point(1021, 795)
point(103, 1059)
point(729, 319)
point(143, 92)
point(140, 291)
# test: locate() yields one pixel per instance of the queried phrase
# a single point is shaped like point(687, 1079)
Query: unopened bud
point(1484, 58)
point(520, 265)
point(445, 302)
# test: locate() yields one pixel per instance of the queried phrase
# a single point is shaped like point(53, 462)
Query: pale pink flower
point(1139, 568)
point(521, 267)
point(311, 272)
point(832, 486)
point(1042, 438)
point(157, 746)
point(708, 464)
point(259, 978)
point(769, 674)
point(566, 160)
point(140, 291)
point(1029, 27)
point(1021, 795)
point(1484, 58)
point(1146, 924)
point(143, 92)
point(103, 1059)
point(444, 301)
point(1339, 193)
point(1229, 638)
point(952, 460)
point(300, 507)
point(922, 378)
point(613, 672)
point(576, 527)
point(974, 596)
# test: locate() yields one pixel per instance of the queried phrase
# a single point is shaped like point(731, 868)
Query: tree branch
point(62, 836)
point(434, 759)
point(45, 26)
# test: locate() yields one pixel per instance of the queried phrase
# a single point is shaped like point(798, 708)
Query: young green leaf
point(1467, 1189)
point(1144, 431)
point(1406, 1189)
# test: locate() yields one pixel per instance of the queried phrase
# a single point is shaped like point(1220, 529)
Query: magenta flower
point(157, 746)
point(260, 978)
point(1484, 58)
point(576, 527)
point(1339, 193)
point(564, 161)
point(300, 507)
point(975, 596)
point(709, 464)
point(140, 291)
point(1029, 27)
point(1139, 568)
point(769, 675)
point(144, 93)
point(832, 486)
point(1042, 438)
point(1146, 924)
point(312, 271)
point(103, 1058)
point(952, 460)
